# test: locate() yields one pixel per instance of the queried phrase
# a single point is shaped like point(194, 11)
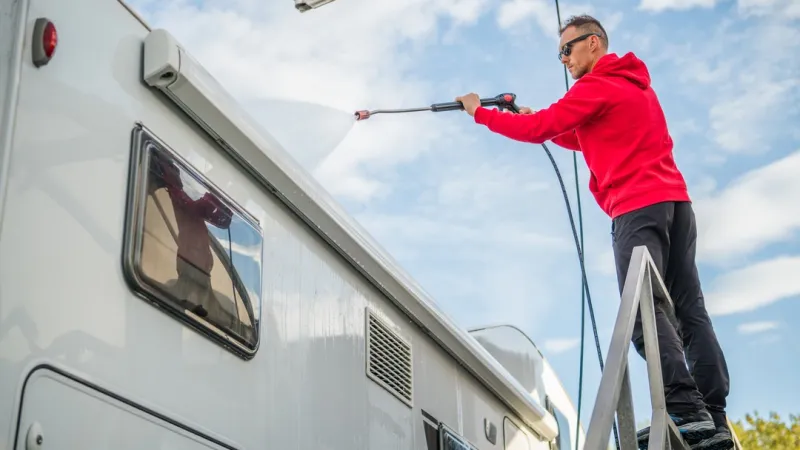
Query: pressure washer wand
point(502, 101)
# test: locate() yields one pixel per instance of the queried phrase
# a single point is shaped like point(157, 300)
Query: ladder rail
point(736, 444)
point(614, 393)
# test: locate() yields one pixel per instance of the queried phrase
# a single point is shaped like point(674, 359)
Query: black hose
point(585, 284)
point(585, 288)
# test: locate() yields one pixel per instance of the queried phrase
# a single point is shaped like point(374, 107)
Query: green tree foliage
point(770, 433)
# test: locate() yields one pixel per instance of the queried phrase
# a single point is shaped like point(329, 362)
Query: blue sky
point(478, 219)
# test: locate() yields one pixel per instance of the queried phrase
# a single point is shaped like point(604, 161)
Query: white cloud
point(679, 5)
point(757, 327)
point(512, 14)
point(516, 12)
point(355, 58)
point(758, 89)
point(755, 286)
point(788, 9)
point(741, 124)
point(751, 93)
point(755, 210)
point(466, 11)
point(556, 346)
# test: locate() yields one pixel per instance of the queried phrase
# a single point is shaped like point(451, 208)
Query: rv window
point(514, 438)
point(191, 248)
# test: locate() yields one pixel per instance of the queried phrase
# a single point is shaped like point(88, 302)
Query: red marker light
point(49, 39)
point(44, 42)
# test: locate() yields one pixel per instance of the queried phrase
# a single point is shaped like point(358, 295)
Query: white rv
point(171, 279)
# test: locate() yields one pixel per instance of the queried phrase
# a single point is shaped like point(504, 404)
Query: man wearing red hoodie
point(613, 117)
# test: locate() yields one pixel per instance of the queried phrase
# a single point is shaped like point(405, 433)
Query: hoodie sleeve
point(568, 140)
point(580, 104)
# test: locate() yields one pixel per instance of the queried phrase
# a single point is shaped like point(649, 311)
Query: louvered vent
point(389, 359)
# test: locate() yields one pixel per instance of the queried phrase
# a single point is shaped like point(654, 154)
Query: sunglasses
point(566, 50)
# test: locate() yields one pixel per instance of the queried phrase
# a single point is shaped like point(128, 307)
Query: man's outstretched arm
point(568, 140)
point(580, 104)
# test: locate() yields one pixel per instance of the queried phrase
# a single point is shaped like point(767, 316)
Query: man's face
point(580, 56)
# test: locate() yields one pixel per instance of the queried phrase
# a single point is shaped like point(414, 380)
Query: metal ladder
point(614, 393)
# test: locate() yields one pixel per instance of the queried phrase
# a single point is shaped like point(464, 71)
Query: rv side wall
point(86, 363)
point(11, 42)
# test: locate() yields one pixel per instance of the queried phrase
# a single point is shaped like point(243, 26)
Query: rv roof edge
point(203, 99)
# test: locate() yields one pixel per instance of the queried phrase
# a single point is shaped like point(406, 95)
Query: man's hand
point(470, 101)
point(526, 110)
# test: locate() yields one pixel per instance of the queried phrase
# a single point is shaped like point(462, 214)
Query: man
point(613, 117)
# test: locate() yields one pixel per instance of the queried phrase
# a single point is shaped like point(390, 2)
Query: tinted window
point(191, 248)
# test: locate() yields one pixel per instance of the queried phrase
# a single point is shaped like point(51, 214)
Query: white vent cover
point(389, 360)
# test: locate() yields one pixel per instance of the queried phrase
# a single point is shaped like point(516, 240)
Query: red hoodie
point(613, 117)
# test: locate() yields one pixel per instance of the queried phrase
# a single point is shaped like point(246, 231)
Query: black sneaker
point(694, 428)
point(720, 441)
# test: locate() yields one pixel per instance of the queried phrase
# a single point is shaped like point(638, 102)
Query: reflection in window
point(193, 249)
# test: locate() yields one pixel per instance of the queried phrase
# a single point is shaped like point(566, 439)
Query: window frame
point(142, 141)
point(445, 431)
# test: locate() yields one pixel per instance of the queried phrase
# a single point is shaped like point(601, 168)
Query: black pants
point(670, 234)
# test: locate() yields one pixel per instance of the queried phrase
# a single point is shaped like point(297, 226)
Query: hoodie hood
point(628, 66)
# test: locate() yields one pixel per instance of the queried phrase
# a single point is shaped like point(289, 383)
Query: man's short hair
point(586, 24)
